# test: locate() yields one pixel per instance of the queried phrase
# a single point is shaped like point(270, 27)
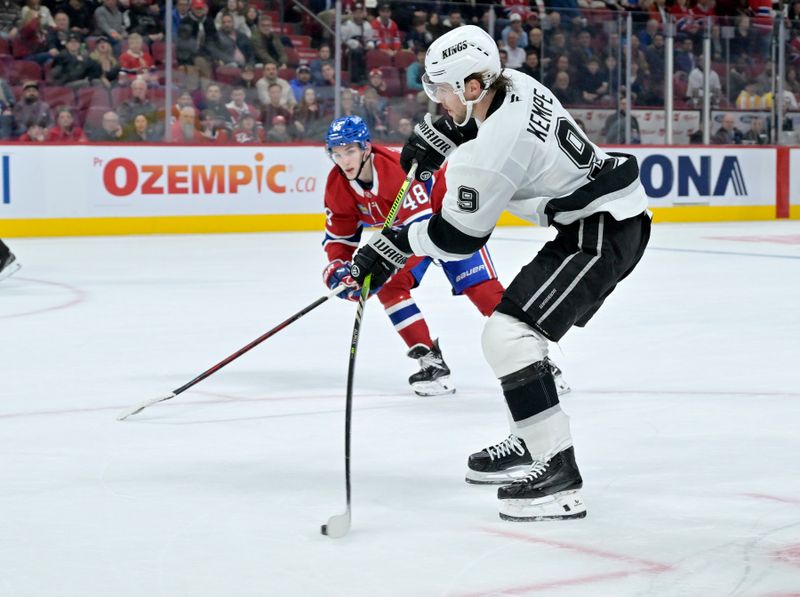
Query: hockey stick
point(339, 524)
point(235, 355)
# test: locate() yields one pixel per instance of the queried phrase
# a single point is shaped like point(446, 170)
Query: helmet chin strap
point(367, 155)
point(469, 104)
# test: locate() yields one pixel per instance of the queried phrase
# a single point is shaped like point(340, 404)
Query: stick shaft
point(285, 323)
point(351, 366)
point(237, 354)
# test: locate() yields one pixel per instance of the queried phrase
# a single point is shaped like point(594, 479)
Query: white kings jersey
point(530, 158)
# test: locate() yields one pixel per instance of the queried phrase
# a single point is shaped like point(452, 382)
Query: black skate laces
point(511, 444)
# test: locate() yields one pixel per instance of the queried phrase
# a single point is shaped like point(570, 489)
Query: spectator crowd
point(263, 72)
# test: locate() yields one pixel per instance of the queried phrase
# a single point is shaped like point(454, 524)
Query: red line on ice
point(581, 580)
point(789, 555)
point(641, 566)
point(774, 498)
point(222, 399)
point(226, 398)
point(78, 297)
point(782, 239)
point(608, 555)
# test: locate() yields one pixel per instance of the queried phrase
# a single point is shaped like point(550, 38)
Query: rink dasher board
point(66, 190)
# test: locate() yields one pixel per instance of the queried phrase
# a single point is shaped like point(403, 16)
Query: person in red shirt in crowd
point(36, 22)
point(136, 60)
point(36, 132)
point(376, 82)
point(248, 131)
point(762, 15)
point(519, 7)
point(65, 129)
point(359, 192)
point(387, 35)
point(184, 99)
point(658, 11)
point(278, 132)
point(238, 108)
point(703, 9)
point(683, 17)
point(184, 130)
point(212, 128)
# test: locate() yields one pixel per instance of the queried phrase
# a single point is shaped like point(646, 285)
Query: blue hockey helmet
point(346, 130)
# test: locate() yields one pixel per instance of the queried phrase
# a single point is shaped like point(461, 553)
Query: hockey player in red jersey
point(359, 193)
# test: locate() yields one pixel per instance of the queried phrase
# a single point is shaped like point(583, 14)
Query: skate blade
point(10, 270)
point(561, 506)
point(439, 387)
point(562, 387)
point(505, 477)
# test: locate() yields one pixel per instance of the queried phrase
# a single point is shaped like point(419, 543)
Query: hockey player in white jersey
point(528, 156)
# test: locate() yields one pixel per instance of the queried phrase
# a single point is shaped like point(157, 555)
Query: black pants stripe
point(590, 246)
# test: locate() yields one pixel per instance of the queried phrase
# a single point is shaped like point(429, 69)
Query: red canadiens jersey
point(349, 208)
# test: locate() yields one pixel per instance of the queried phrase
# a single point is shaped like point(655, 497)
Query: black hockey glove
point(380, 257)
point(429, 145)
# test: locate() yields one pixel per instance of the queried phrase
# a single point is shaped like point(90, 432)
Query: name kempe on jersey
point(530, 158)
point(349, 208)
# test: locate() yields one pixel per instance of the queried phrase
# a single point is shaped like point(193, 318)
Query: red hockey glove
point(338, 272)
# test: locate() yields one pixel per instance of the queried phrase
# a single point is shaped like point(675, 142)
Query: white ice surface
point(685, 412)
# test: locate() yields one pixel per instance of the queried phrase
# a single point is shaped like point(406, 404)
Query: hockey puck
point(324, 529)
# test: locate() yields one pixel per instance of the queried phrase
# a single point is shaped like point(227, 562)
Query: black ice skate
point(8, 266)
point(499, 464)
point(433, 379)
point(548, 492)
point(562, 387)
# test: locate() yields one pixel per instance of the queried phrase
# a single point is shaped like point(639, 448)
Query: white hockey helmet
point(456, 55)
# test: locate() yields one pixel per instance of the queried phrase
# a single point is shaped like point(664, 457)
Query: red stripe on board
point(782, 184)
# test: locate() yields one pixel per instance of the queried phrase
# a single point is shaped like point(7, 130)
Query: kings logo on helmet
point(462, 45)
